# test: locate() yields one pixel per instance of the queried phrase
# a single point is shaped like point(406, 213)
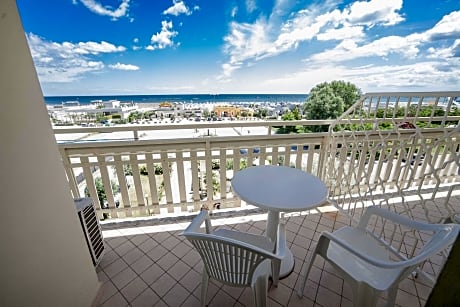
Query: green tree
point(347, 91)
point(291, 115)
point(215, 183)
point(322, 103)
point(261, 112)
point(101, 190)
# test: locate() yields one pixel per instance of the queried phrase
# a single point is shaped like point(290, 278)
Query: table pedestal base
point(287, 264)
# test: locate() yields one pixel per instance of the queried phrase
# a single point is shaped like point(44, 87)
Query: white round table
point(279, 189)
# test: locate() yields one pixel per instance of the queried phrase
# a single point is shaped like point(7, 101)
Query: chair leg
point(305, 275)
point(392, 292)
point(260, 291)
point(364, 295)
point(321, 249)
point(276, 264)
point(204, 287)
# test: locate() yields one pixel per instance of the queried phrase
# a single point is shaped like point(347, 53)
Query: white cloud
point(66, 62)
point(445, 53)
point(95, 7)
point(120, 66)
point(95, 48)
point(234, 11)
point(356, 33)
point(251, 6)
point(370, 13)
point(422, 75)
point(349, 49)
point(163, 39)
point(178, 8)
point(266, 38)
point(448, 27)
point(227, 70)
point(370, 78)
point(409, 46)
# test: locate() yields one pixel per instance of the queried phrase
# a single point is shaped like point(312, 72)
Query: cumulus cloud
point(421, 75)
point(349, 49)
point(452, 51)
point(371, 13)
point(66, 61)
point(120, 66)
point(179, 8)
point(371, 78)
point(447, 28)
point(94, 47)
point(247, 42)
point(356, 33)
point(407, 46)
point(115, 13)
point(163, 39)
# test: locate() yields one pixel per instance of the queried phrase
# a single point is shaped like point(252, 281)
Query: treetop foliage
point(330, 100)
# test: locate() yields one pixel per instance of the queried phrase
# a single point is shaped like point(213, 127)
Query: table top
point(279, 188)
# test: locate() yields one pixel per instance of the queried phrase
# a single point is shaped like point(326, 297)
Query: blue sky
point(105, 47)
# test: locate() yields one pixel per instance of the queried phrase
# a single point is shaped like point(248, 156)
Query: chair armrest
point(197, 221)
point(394, 217)
point(281, 240)
point(327, 237)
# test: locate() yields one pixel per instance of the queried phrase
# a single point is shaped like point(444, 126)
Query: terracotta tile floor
point(155, 266)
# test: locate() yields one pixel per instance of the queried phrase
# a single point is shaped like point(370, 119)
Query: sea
point(188, 98)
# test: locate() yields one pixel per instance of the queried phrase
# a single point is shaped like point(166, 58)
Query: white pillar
point(44, 259)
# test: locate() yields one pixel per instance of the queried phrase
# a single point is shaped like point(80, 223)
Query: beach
point(81, 136)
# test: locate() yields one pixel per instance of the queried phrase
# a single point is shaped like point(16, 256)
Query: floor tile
point(163, 269)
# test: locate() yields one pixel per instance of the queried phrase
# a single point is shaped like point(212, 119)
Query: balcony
point(152, 265)
point(385, 151)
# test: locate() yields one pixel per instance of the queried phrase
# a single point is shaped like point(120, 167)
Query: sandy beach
point(158, 134)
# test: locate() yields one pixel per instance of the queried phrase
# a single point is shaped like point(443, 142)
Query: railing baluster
point(121, 178)
point(90, 181)
point(105, 177)
point(181, 181)
point(71, 177)
point(138, 186)
point(165, 164)
point(223, 174)
point(155, 201)
point(196, 179)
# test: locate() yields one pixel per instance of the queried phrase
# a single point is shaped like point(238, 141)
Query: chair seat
point(256, 240)
point(379, 278)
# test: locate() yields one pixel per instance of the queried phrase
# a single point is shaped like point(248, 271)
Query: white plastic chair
point(365, 261)
point(236, 258)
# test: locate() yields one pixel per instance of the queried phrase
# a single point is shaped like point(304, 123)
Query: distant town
point(113, 112)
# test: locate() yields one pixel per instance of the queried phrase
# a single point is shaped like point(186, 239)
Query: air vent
point(91, 228)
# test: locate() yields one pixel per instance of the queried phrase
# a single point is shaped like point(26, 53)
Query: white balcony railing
point(155, 175)
point(170, 176)
point(396, 148)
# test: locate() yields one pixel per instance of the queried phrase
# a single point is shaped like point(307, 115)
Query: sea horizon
point(182, 98)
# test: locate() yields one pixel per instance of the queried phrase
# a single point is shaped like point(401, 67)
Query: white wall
point(44, 260)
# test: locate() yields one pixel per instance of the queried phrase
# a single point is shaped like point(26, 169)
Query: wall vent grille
point(91, 228)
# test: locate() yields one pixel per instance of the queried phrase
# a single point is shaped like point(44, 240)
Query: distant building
point(73, 112)
point(169, 109)
point(111, 104)
point(227, 111)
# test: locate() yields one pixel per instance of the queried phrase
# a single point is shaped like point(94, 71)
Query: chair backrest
point(227, 260)
point(410, 241)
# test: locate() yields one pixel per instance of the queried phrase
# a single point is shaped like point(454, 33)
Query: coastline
point(186, 98)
